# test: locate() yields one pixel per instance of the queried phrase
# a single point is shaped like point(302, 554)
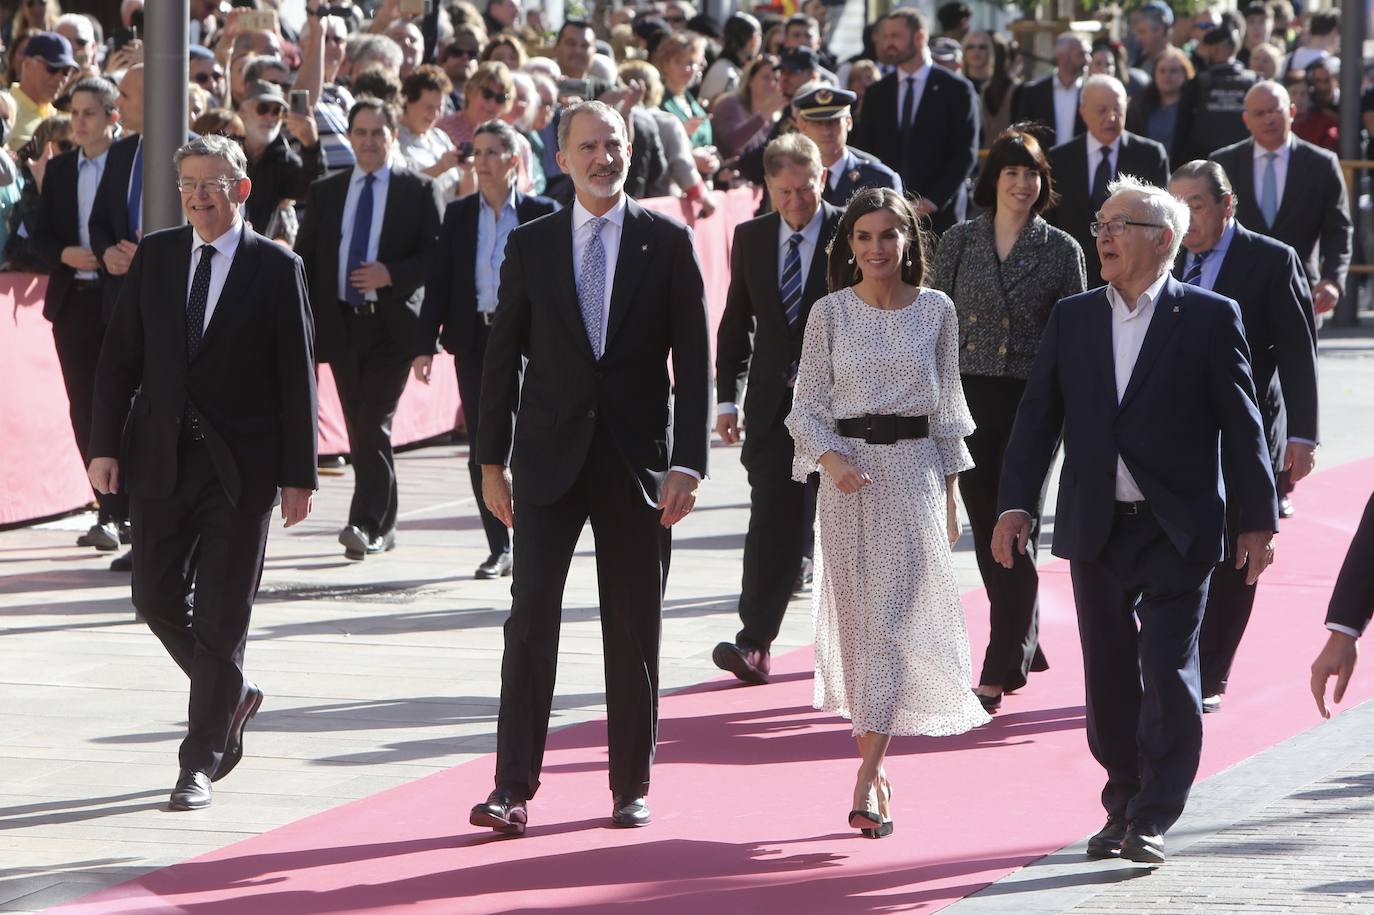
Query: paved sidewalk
point(381, 672)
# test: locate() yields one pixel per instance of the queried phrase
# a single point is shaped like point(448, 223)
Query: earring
point(851, 258)
point(908, 262)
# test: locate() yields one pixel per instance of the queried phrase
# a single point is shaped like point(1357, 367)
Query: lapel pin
point(643, 248)
point(1175, 309)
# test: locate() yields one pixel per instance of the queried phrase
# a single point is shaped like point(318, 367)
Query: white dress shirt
point(88, 172)
point(843, 164)
point(1065, 107)
point(355, 190)
point(610, 242)
point(918, 88)
point(1095, 156)
point(1129, 327)
point(225, 247)
point(1281, 157)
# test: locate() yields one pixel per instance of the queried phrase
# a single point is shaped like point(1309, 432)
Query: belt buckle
point(886, 434)
point(1130, 508)
point(489, 318)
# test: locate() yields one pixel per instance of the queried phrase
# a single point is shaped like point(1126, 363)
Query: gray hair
point(600, 109)
point(261, 64)
point(1277, 89)
point(216, 147)
point(78, 23)
point(791, 149)
point(1069, 38)
point(1160, 206)
point(525, 83)
point(1104, 81)
point(1205, 170)
point(366, 48)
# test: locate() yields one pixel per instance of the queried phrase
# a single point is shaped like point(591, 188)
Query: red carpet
point(752, 787)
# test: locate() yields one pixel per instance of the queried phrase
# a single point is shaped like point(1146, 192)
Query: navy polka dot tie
point(200, 298)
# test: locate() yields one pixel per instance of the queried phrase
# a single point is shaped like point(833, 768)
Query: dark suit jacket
point(1352, 600)
point(109, 223)
point(1191, 385)
point(657, 312)
point(1034, 101)
point(1138, 156)
point(410, 224)
point(754, 338)
point(866, 171)
point(648, 161)
point(1313, 215)
point(449, 313)
point(252, 380)
point(54, 227)
point(1266, 279)
point(942, 148)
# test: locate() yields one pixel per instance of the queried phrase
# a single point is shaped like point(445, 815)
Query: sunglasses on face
point(456, 51)
point(265, 108)
point(204, 78)
point(53, 71)
point(491, 96)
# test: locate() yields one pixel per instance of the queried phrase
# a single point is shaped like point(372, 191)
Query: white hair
point(1159, 205)
point(545, 65)
point(523, 82)
point(78, 24)
point(1067, 39)
point(1105, 81)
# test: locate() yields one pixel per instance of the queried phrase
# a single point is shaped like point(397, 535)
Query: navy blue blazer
point(864, 171)
point(1191, 389)
point(449, 312)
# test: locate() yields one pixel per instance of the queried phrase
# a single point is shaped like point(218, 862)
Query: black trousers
point(370, 377)
point(781, 514)
point(469, 370)
point(632, 554)
point(1013, 594)
point(1229, 603)
point(77, 334)
point(195, 539)
point(1144, 690)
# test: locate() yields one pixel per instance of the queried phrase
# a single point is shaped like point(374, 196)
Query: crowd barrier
point(41, 473)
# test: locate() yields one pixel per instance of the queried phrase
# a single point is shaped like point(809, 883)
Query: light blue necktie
point(591, 286)
point(1269, 191)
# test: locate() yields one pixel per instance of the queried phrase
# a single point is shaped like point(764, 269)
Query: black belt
point(366, 308)
point(86, 285)
point(1132, 508)
point(882, 429)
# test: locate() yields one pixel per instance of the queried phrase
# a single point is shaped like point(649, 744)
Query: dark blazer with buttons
point(1138, 156)
point(54, 226)
point(1034, 101)
point(109, 223)
point(754, 338)
point(1191, 386)
point(1313, 214)
point(1352, 600)
point(657, 314)
point(867, 171)
point(449, 312)
point(252, 381)
point(410, 225)
point(1266, 279)
point(942, 146)
point(1003, 305)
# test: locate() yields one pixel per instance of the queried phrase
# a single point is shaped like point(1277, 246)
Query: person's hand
point(1013, 529)
point(1325, 295)
point(708, 206)
point(1300, 459)
point(1254, 553)
point(953, 528)
point(370, 277)
point(848, 478)
point(496, 493)
point(421, 366)
point(303, 128)
point(450, 158)
point(39, 167)
point(125, 57)
point(104, 475)
point(119, 256)
point(727, 427)
point(295, 504)
point(678, 497)
point(708, 163)
point(1337, 659)
point(770, 104)
point(79, 258)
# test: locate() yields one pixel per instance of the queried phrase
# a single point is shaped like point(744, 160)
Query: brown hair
point(840, 272)
point(505, 40)
point(425, 78)
point(1015, 146)
point(494, 75)
point(746, 80)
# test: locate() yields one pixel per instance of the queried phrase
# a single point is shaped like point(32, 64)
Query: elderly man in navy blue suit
point(1142, 378)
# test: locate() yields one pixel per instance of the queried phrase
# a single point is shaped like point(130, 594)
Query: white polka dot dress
point(892, 649)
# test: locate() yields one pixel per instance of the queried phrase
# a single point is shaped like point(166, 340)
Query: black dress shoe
point(989, 703)
point(630, 811)
point(192, 791)
point(502, 811)
point(234, 751)
point(745, 662)
point(1107, 842)
point(123, 563)
point(332, 466)
point(498, 565)
point(358, 545)
point(1144, 843)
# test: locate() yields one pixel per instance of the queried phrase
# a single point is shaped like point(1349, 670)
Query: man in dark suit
point(73, 301)
point(1266, 279)
point(777, 272)
point(116, 221)
point(1352, 602)
point(212, 332)
point(1051, 101)
point(461, 295)
point(594, 300)
point(365, 238)
point(823, 117)
point(1085, 165)
point(921, 121)
point(1141, 379)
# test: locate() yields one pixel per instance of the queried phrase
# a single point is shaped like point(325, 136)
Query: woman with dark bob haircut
point(878, 407)
point(1004, 270)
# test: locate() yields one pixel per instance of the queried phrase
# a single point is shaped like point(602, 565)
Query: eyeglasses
point(202, 78)
point(208, 185)
point(455, 51)
point(491, 96)
point(1116, 227)
point(265, 108)
point(53, 71)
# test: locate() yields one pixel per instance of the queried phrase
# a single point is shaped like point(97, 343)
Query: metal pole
point(166, 75)
point(1352, 52)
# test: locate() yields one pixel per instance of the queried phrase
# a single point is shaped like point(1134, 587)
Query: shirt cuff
point(1020, 511)
point(1302, 441)
point(687, 470)
point(726, 407)
point(1345, 630)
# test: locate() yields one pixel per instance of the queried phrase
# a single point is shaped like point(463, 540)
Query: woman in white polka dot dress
point(879, 407)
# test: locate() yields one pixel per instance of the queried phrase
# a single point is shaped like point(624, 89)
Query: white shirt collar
point(921, 73)
point(1059, 86)
point(382, 175)
point(843, 164)
point(98, 160)
point(1143, 305)
point(811, 232)
point(1281, 154)
point(226, 244)
point(615, 215)
point(508, 205)
point(1095, 150)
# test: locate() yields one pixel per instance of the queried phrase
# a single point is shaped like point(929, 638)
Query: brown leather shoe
point(745, 662)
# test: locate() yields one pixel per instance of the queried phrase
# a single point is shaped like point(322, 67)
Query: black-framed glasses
point(494, 96)
point(456, 51)
point(1117, 227)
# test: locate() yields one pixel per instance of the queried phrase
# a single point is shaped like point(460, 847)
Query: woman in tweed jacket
point(1004, 270)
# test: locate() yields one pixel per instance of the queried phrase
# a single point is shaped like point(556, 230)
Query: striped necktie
point(1194, 275)
point(790, 284)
